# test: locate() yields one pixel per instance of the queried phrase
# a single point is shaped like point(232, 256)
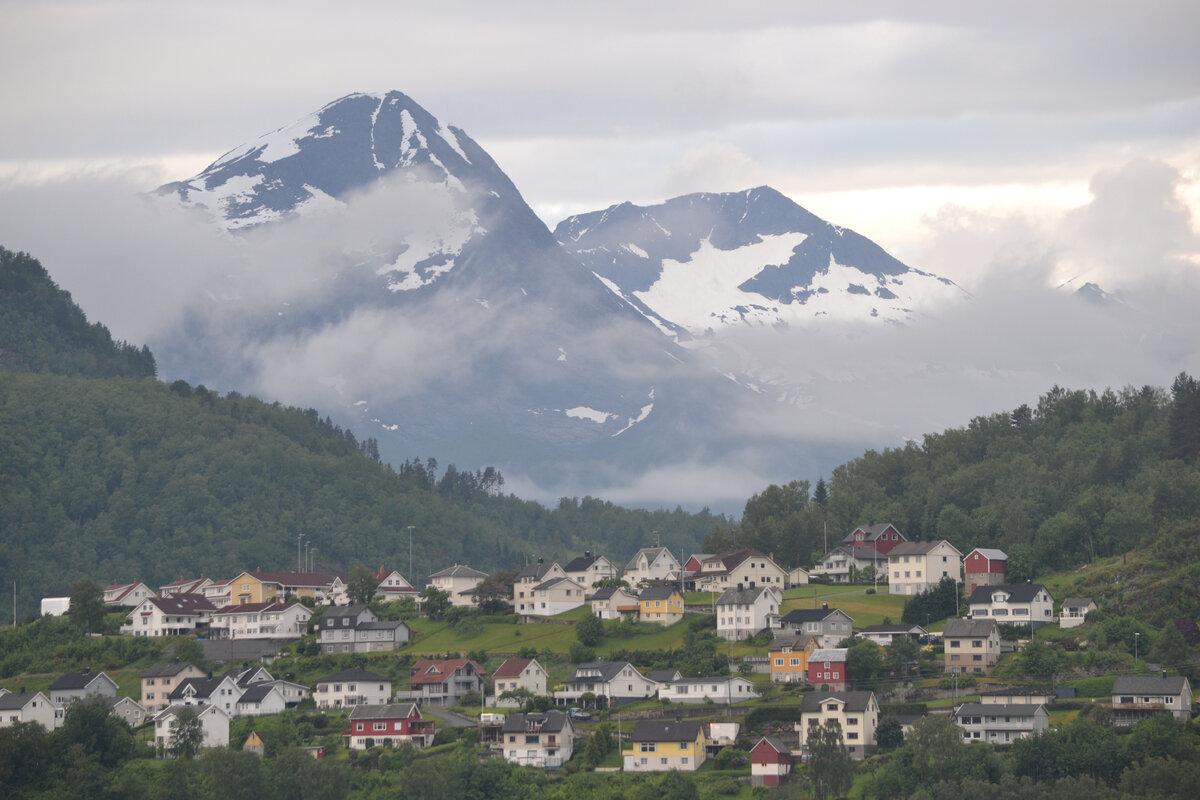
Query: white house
point(1020, 604)
point(260, 699)
point(81, 684)
point(587, 570)
point(55, 605)
point(352, 687)
point(173, 615)
point(652, 565)
point(458, 581)
point(271, 620)
point(724, 690)
point(614, 680)
point(538, 740)
point(844, 561)
point(128, 595)
point(519, 673)
point(1134, 698)
point(550, 597)
point(915, 567)
point(1000, 723)
point(222, 692)
point(214, 724)
point(17, 707)
point(746, 567)
point(884, 635)
point(613, 602)
point(744, 611)
point(856, 712)
point(1075, 611)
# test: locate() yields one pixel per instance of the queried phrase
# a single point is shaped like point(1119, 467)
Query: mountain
point(385, 268)
point(702, 263)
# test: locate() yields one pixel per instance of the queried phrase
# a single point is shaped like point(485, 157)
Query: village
point(786, 643)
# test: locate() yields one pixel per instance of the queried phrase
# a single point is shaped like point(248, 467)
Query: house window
point(648, 747)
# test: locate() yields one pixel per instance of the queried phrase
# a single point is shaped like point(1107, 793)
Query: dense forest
point(1079, 476)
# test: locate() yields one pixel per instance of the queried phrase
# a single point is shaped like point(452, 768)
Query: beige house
point(214, 724)
point(538, 740)
point(160, 680)
point(588, 569)
point(972, 645)
point(1075, 611)
point(856, 712)
point(915, 567)
point(261, 621)
point(352, 687)
point(743, 612)
point(173, 615)
point(458, 581)
point(126, 595)
point(614, 602)
point(747, 567)
point(519, 673)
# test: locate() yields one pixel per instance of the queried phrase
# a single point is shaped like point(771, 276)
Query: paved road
point(451, 718)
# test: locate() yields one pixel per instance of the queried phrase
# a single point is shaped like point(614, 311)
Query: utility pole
point(410, 572)
point(299, 539)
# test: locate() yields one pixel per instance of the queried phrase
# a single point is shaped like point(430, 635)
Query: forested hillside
point(1079, 476)
point(129, 478)
point(42, 330)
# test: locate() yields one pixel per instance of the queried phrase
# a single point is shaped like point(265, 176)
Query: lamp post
point(410, 572)
point(1136, 636)
point(305, 568)
point(299, 541)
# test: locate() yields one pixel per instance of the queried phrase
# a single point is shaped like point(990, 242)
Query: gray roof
point(14, 701)
point(652, 554)
point(802, 615)
point(167, 670)
point(78, 679)
point(657, 592)
point(608, 669)
point(1129, 684)
point(459, 571)
point(537, 569)
point(1018, 593)
point(998, 709)
point(654, 730)
point(541, 723)
point(893, 629)
point(855, 701)
point(581, 563)
point(1078, 602)
point(382, 625)
point(958, 628)
point(665, 675)
point(737, 596)
point(256, 693)
point(991, 553)
point(354, 675)
point(389, 711)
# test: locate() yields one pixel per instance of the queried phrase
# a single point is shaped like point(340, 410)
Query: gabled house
point(916, 567)
point(1020, 604)
point(519, 673)
point(997, 723)
point(260, 586)
point(746, 567)
point(827, 668)
point(352, 687)
point(126, 595)
point(743, 611)
point(260, 699)
point(616, 681)
point(652, 565)
point(797, 576)
point(788, 656)
point(662, 605)
point(770, 762)
point(725, 690)
point(856, 712)
point(1134, 698)
point(446, 682)
point(985, 566)
point(458, 581)
point(534, 575)
point(883, 537)
point(614, 602)
point(214, 726)
point(1075, 611)
point(829, 625)
point(971, 645)
point(185, 586)
point(664, 677)
point(884, 635)
point(550, 597)
point(587, 570)
point(271, 620)
point(391, 724)
point(172, 615)
point(219, 593)
point(1019, 695)
point(844, 563)
point(358, 629)
point(127, 709)
point(222, 692)
point(19, 707)
point(546, 741)
point(390, 585)
point(160, 680)
point(80, 685)
point(664, 745)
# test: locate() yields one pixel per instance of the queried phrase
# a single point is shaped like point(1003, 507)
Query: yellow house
point(661, 745)
point(662, 605)
point(269, 587)
point(788, 657)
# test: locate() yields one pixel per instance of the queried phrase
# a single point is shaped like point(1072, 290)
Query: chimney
point(587, 553)
point(739, 587)
point(540, 560)
point(825, 606)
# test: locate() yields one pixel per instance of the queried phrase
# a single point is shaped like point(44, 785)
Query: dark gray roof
point(776, 744)
point(1020, 691)
point(17, 700)
point(332, 615)
point(657, 592)
point(388, 711)
point(79, 679)
point(166, 670)
point(1131, 684)
point(382, 625)
point(665, 675)
point(657, 730)
point(1018, 593)
point(802, 615)
point(893, 629)
point(998, 709)
point(203, 687)
point(459, 571)
point(608, 669)
point(256, 693)
point(531, 723)
point(353, 675)
point(1077, 602)
point(581, 563)
point(605, 593)
point(855, 701)
point(735, 596)
point(957, 628)
point(536, 570)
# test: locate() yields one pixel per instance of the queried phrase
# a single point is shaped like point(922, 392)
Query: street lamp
point(1136, 635)
point(410, 572)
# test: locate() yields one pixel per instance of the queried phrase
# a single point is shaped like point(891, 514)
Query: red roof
point(253, 608)
point(293, 578)
point(512, 668)
point(428, 671)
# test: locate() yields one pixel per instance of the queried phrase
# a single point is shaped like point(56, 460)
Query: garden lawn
point(865, 609)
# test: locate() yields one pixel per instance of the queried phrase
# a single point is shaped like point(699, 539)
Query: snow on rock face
point(706, 262)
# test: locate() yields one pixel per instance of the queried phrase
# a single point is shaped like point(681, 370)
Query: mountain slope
point(703, 262)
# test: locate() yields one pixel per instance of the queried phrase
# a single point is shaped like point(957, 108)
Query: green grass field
point(864, 609)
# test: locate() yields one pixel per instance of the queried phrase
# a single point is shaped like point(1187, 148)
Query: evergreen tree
point(87, 605)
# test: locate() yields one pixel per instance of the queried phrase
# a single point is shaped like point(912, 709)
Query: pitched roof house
point(971, 645)
point(828, 668)
point(883, 537)
point(998, 723)
point(80, 684)
point(727, 690)
point(829, 625)
point(587, 570)
point(770, 762)
point(856, 712)
point(651, 564)
point(1134, 698)
point(788, 656)
point(546, 741)
point(1075, 611)
point(222, 691)
point(613, 602)
point(744, 611)
point(985, 566)
point(159, 680)
point(352, 687)
point(613, 680)
point(662, 605)
point(358, 629)
point(843, 562)
point(118, 595)
point(214, 726)
point(394, 723)
point(518, 673)
point(916, 567)
point(447, 681)
point(1019, 604)
point(172, 615)
point(723, 570)
point(458, 581)
point(663, 745)
point(270, 620)
point(18, 707)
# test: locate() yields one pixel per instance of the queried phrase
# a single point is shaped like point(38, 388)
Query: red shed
point(770, 762)
point(985, 566)
point(828, 668)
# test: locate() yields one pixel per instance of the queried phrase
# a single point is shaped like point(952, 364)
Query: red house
point(770, 762)
point(883, 537)
point(985, 566)
point(372, 726)
point(828, 668)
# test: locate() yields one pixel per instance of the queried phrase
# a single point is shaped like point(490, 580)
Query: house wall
point(352, 693)
point(665, 756)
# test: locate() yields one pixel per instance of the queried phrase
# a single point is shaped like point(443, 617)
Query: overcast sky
point(1001, 146)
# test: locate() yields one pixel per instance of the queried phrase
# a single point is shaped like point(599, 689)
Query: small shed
point(770, 762)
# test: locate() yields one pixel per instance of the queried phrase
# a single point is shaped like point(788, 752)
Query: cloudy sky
point(1003, 147)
